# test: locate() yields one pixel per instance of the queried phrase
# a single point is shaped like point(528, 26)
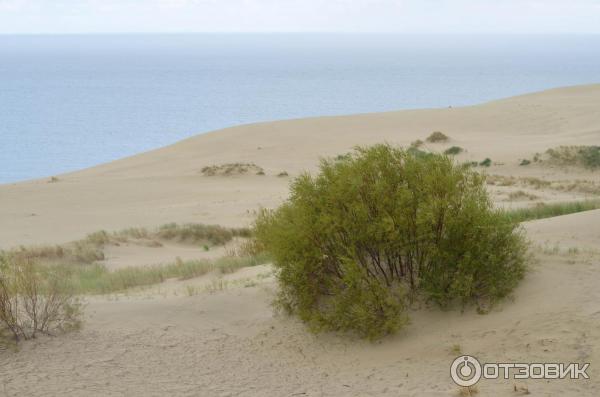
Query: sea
point(73, 101)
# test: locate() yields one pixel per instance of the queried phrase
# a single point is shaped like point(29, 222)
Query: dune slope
point(167, 185)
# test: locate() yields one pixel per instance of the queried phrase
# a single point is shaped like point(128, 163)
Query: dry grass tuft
point(231, 169)
point(437, 136)
point(520, 195)
point(91, 249)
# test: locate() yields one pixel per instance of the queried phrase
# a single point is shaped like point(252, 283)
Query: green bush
point(353, 244)
point(437, 136)
point(454, 150)
point(486, 163)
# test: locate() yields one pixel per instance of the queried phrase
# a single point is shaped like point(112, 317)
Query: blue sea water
point(68, 102)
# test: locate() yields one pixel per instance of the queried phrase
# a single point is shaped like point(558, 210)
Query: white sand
point(162, 342)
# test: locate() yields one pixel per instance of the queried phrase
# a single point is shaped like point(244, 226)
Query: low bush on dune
point(376, 229)
point(437, 136)
point(585, 156)
point(35, 300)
point(454, 150)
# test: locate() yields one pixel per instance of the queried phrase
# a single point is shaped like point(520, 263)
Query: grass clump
point(524, 162)
point(437, 136)
point(542, 210)
point(585, 156)
point(231, 169)
point(486, 162)
point(198, 233)
point(454, 150)
point(35, 299)
point(354, 244)
point(283, 174)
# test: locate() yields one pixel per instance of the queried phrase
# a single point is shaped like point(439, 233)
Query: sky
point(403, 16)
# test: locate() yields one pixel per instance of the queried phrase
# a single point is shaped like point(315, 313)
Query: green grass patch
point(542, 211)
point(97, 279)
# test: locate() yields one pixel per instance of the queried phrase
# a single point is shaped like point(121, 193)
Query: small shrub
point(454, 150)
point(486, 163)
point(53, 180)
point(524, 162)
point(261, 173)
point(282, 174)
point(35, 299)
point(437, 136)
point(353, 244)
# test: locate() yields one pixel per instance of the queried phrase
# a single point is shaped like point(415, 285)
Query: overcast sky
point(413, 16)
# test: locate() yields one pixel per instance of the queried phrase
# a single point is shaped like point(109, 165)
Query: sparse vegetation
point(521, 195)
point(524, 162)
point(354, 244)
point(456, 349)
point(90, 249)
point(584, 156)
point(198, 233)
point(283, 174)
point(436, 137)
point(486, 162)
point(231, 169)
point(35, 299)
point(578, 185)
point(454, 150)
point(468, 391)
point(53, 180)
point(97, 279)
point(417, 144)
point(542, 210)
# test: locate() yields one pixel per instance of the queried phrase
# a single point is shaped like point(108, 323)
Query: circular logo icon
point(465, 371)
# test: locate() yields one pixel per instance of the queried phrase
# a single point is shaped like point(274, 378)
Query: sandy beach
point(164, 340)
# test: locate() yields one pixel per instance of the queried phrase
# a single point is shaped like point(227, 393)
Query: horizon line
point(99, 33)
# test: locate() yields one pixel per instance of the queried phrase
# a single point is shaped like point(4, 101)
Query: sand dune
point(224, 342)
point(166, 185)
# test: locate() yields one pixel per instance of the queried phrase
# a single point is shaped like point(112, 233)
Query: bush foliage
point(384, 225)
